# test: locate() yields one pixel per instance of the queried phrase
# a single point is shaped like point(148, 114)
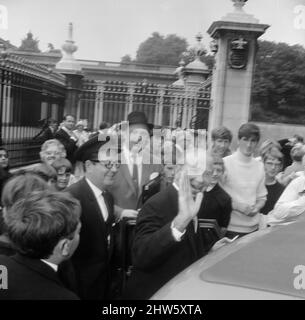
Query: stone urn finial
point(199, 48)
point(69, 47)
point(68, 62)
point(239, 14)
point(238, 4)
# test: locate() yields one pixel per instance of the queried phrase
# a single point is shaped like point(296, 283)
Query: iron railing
point(28, 93)
point(164, 105)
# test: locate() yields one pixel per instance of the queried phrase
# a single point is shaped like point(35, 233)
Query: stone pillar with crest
point(235, 45)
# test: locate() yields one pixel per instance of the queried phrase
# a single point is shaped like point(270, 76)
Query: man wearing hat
point(138, 165)
point(66, 136)
point(134, 172)
point(91, 260)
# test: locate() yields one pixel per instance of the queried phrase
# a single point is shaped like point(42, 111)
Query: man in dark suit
point(44, 229)
point(138, 164)
point(66, 136)
point(50, 131)
point(166, 236)
point(216, 204)
point(92, 258)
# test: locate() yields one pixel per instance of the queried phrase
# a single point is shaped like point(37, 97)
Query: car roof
point(258, 266)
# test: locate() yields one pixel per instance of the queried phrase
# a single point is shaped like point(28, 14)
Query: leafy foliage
point(159, 49)
point(126, 59)
point(279, 83)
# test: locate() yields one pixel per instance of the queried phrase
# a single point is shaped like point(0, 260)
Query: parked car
point(267, 264)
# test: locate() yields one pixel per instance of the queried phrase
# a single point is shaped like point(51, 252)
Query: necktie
point(103, 207)
point(135, 177)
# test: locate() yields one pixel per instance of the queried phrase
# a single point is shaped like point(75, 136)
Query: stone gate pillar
point(71, 68)
point(235, 40)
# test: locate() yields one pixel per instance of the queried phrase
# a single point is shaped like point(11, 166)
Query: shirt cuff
point(176, 233)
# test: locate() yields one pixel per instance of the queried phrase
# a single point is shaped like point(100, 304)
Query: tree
point(279, 83)
point(159, 49)
point(126, 59)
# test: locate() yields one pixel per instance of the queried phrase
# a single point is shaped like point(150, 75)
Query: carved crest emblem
point(238, 57)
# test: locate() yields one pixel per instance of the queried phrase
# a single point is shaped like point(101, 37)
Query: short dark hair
point(3, 149)
point(299, 138)
point(104, 125)
point(221, 133)
point(51, 120)
point(20, 185)
point(68, 115)
point(249, 130)
point(38, 222)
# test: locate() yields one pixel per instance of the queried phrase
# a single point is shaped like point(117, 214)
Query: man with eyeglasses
point(91, 260)
point(273, 163)
point(137, 166)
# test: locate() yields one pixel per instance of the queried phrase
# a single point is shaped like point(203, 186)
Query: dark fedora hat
point(138, 117)
point(90, 149)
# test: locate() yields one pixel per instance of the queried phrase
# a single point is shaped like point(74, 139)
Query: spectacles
point(49, 153)
point(108, 164)
point(276, 165)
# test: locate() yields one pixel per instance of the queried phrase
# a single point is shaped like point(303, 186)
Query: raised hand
point(188, 206)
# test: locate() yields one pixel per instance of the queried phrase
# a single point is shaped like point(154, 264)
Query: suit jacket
point(157, 256)
point(69, 144)
point(92, 258)
point(47, 134)
point(123, 189)
point(32, 279)
point(216, 204)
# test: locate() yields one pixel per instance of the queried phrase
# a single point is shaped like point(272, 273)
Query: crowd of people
point(86, 224)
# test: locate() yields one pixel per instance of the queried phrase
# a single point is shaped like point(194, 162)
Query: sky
point(109, 29)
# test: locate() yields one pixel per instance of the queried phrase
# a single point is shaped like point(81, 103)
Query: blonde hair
point(53, 142)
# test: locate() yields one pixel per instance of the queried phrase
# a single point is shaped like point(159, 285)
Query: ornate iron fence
point(164, 105)
point(28, 93)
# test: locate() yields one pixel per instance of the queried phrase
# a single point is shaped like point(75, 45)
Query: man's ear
point(64, 247)
point(87, 164)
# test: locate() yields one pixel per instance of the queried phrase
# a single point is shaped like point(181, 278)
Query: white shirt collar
point(130, 157)
point(210, 187)
point(50, 264)
point(97, 192)
point(175, 186)
point(67, 130)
